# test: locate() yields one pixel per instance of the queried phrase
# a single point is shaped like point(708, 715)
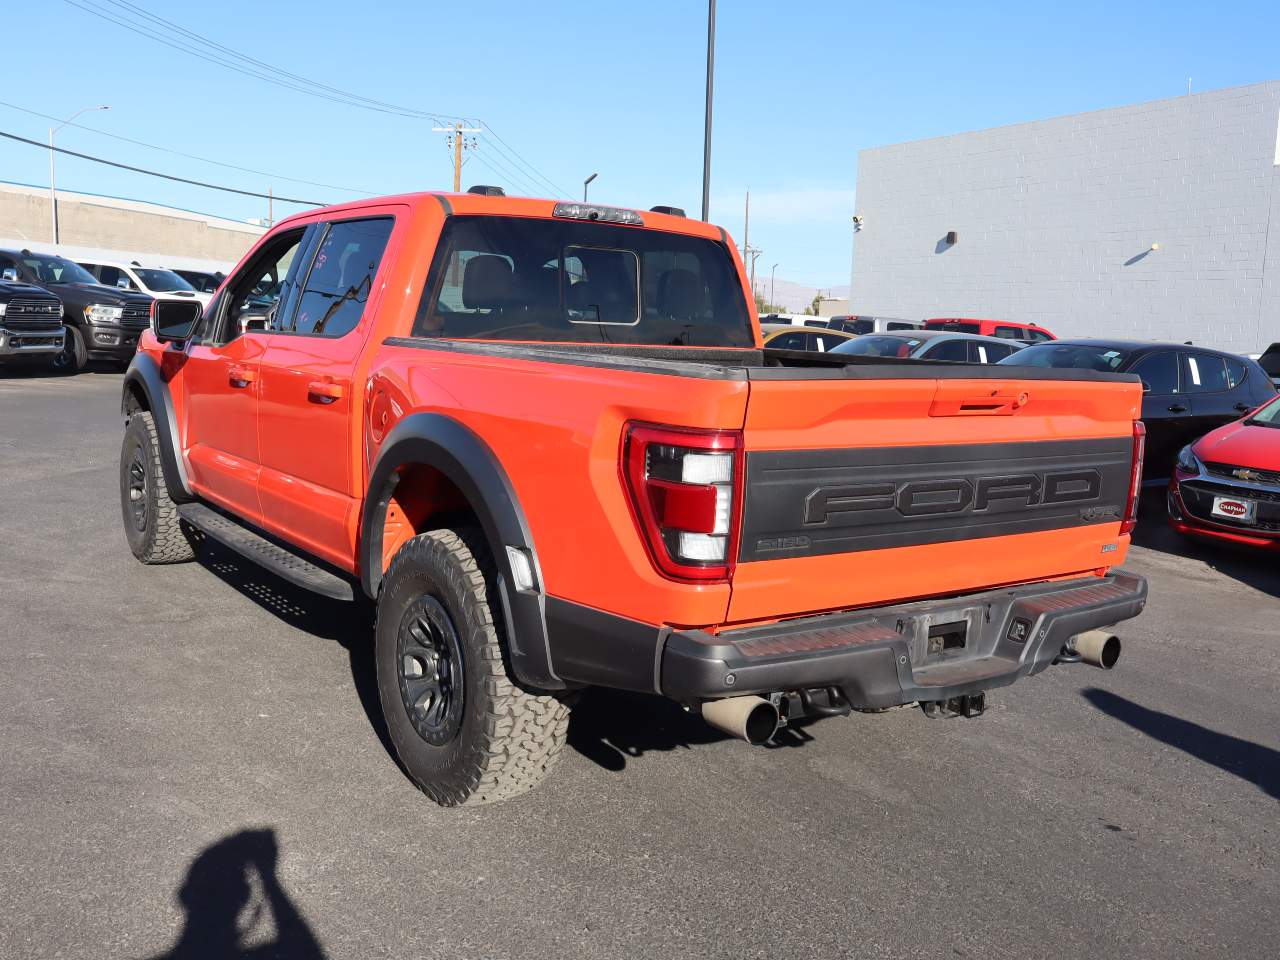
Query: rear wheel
point(464, 730)
point(151, 523)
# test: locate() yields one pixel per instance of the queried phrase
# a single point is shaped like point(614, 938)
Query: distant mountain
point(796, 296)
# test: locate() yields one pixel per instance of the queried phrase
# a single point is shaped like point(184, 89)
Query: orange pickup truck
point(545, 438)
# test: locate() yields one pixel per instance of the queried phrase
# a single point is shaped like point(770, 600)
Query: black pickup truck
point(30, 321)
point(101, 322)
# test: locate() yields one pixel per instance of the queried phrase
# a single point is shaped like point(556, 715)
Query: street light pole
point(771, 272)
point(586, 183)
point(53, 190)
point(706, 131)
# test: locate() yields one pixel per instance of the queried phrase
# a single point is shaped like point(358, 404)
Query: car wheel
point(152, 526)
point(464, 730)
point(73, 358)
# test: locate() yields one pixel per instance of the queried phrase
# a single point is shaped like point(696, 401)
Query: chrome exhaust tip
point(1099, 648)
point(752, 719)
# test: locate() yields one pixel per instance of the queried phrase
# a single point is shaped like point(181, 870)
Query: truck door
point(220, 382)
point(311, 450)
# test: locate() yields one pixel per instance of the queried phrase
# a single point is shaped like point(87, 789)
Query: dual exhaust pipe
point(756, 720)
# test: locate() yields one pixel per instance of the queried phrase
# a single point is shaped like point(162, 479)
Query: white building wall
point(1056, 220)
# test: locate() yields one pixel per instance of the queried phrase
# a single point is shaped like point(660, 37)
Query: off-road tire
point(74, 357)
point(161, 537)
point(509, 737)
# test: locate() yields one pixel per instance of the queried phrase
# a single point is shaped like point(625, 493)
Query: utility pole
point(772, 270)
point(271, 214)
point(706, 129)
point(755, 255)
point(746, 226)
point(458, 142)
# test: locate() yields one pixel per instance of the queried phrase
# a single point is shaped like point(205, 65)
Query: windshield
point(162, 281)
point(202, 282)
point(1068, 356)
point(880, 346)
point(56, 270)
point(576, 281)
point(1268, 415)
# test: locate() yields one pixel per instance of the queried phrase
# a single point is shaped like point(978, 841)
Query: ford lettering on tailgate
point(812, 502)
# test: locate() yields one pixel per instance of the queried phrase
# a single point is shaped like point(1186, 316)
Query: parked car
point(556, 458)
point(863, 324)
point(30, 320)
point(783, 336)
point(1226, 485)
point(155, 282)
point(1004, 329)
point(202, 281)
point(1269, 360)
point(1187, 390)
point(101, 322)
point(930, 345)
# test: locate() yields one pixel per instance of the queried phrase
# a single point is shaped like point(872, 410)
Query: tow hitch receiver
point(969, 705)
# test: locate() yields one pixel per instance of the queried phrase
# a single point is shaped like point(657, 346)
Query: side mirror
point(10, 274)
point(172, 321)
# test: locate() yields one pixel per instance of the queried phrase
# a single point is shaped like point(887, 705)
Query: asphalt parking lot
point(192, 759)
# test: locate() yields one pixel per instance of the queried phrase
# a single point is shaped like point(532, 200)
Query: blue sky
point(576, 88)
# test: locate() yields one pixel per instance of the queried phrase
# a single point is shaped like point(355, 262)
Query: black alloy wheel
point(431, 671)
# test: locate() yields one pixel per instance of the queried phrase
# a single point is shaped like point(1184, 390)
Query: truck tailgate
point(861, 491)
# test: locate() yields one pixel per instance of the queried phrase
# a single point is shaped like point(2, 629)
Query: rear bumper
point(884, 657)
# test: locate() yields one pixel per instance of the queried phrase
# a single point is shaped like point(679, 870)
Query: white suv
point(153, 281)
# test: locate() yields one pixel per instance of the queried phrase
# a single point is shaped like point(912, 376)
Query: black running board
point(283, 563)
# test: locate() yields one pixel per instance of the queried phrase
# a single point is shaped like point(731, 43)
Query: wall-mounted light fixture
point(1155, 247)
point(952, 237)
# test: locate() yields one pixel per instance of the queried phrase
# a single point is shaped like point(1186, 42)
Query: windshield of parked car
point(1268, 416)
point(870, 346)
point(56, 270)
point(1069, 356)
point(570, 280)
point(162, 281)
point(202, 282)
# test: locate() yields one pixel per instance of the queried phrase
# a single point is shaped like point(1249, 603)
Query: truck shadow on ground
point(236, 908)
point(1252, 762)
point(347, 623)
point(610, 727)
point(1251, 566)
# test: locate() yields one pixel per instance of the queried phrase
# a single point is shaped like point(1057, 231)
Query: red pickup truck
point(546, 440)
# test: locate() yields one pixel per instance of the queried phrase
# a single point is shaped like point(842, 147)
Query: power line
point(163, 176)
point(258, 69)
point(189, 156)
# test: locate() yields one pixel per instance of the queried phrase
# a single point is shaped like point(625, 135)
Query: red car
point(1226, 485)
point(1004, 329)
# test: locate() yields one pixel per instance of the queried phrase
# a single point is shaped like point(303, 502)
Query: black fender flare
point(439, 441)
point(144, 376)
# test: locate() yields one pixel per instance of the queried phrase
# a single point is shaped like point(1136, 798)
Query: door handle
point(241, 376)
point(325, 391)
point(1177, 408)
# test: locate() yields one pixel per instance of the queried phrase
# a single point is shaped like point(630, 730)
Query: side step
point(283, 563)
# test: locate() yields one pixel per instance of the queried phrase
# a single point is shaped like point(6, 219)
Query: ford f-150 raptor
point(545, 439)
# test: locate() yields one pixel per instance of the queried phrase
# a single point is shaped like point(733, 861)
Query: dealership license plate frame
point(1249, 516)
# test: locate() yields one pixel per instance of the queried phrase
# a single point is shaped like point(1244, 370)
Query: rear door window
point(1203, 373)
point(1010, 333)
point(567, 280)
point(1158, 372)
point(953, 351)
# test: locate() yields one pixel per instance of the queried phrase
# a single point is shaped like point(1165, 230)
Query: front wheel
point(73, 357)
point(151, 522)
point(464, 730)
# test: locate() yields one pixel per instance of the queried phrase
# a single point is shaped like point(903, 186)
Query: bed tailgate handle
point(995, 402)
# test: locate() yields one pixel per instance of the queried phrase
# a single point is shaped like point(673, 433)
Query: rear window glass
point(1068, 357)
point(873, 346)
point(955, 326)
point(511, 278)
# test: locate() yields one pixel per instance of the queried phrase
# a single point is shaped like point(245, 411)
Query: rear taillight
point(685, 488)
point(1135, 478)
